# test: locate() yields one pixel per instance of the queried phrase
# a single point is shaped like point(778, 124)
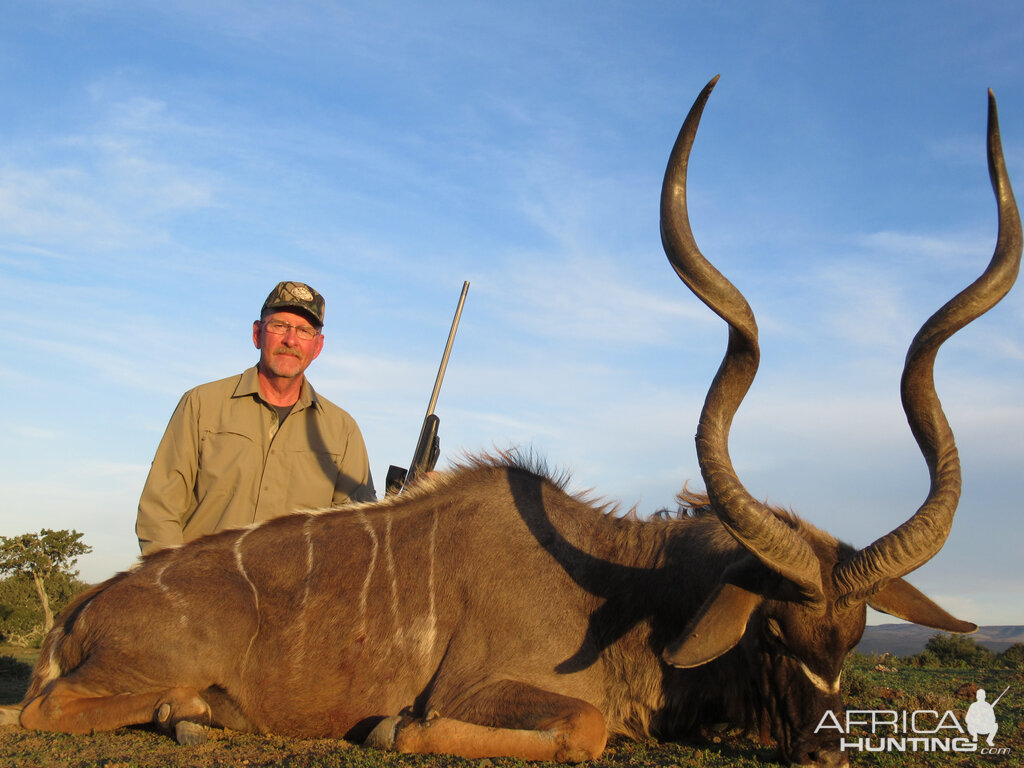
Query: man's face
point(286, 354)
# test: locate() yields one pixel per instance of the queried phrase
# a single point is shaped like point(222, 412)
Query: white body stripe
point(237, 549)
point(364, 593)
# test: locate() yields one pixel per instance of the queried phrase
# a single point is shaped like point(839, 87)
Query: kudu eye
point(774, 631)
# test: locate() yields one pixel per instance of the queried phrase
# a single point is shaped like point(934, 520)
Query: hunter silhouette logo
point(981, 717)
point(922, 730)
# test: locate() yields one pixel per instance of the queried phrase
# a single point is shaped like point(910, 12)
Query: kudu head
point(795, 604)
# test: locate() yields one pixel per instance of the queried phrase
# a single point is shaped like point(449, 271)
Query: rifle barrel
point(423, 449)
point(447, 351)
point(1000, 696)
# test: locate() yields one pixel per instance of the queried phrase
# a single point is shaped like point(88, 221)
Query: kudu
point(490, 612)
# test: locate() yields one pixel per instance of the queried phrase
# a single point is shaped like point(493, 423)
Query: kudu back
point(489, 612)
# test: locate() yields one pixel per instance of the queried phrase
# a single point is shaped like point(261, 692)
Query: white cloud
point(29, 432)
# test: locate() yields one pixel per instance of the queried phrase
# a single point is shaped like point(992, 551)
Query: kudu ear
point(903, 601)
point(717, 627)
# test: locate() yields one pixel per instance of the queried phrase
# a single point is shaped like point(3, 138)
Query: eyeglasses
point(280, 328)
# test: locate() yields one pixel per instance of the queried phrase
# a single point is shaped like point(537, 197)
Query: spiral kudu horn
point(917, 540)
point(749, 521)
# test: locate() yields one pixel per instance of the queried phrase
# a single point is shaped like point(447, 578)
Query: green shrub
point(1012, 657)
point(956, 651)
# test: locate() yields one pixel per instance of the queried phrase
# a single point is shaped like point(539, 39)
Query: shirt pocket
point(229, 463)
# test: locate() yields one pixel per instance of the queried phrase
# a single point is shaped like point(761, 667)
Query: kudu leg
point(504, 720)
point(70, 708)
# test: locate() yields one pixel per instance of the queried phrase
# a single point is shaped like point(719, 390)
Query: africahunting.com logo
point(920, 730)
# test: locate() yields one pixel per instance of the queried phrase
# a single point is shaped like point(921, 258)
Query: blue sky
point(163, 165)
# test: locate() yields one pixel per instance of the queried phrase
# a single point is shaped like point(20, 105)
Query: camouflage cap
point(291, 295)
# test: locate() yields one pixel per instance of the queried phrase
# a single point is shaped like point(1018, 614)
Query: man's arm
point(169, 486)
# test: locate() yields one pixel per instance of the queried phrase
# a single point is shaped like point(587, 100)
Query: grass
point(869, 683)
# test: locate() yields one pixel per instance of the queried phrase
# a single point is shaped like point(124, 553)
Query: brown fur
point(434, 603)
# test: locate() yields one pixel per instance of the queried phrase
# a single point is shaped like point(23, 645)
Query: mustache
point(288, 352)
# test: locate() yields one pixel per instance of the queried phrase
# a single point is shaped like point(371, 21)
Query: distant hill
point(908, 639)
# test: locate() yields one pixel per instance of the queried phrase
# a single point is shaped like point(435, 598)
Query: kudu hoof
point(189, 734)
point(10, 716)
point(384, 734)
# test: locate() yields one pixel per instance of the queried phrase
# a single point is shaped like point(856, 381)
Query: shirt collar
point(249, 384)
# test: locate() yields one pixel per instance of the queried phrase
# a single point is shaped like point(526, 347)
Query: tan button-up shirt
point(225, 461)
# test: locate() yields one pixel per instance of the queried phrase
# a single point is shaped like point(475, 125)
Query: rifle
point(428, 447)
point(999, 697)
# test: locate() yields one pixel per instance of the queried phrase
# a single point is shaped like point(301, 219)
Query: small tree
point(41, 556)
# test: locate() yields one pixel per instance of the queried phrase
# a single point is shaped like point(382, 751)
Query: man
point(259, 444)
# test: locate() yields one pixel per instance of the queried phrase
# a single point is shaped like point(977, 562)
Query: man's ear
point(717, 627)
point(256, 328)
point(318, 347)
